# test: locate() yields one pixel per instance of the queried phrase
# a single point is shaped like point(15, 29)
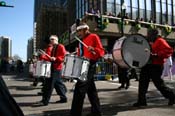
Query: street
point(114, 102)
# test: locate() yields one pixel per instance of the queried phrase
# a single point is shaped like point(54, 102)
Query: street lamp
point(123, 11)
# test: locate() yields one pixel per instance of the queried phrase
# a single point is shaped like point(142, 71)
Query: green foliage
point(105, 23)
point(167, 29)
point(138, 26)
point(102, 22)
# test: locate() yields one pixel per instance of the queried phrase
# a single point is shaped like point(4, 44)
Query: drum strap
point(81, 49)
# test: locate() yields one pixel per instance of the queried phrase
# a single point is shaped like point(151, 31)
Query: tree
point(16, 57)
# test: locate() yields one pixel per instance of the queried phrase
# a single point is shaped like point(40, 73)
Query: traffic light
point(2, 3)
point(99, 22)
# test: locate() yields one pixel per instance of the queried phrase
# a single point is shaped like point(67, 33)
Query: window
point(110, 6)
point(128, 8)
point(134, 9)
point(148, 9)
point(169, 14)
point(158, 15)
point(118, 6)
point(164, 13)
point(142, 8)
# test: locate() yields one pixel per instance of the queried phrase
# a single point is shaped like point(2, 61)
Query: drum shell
point(75, 67)
point(132, 51)
point(31, 68)
point(43, 69)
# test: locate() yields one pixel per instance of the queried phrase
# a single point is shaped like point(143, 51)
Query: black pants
point(54, 82)
point(81, 88)
point(123, 76)
point(153, 72)
point(8, 106)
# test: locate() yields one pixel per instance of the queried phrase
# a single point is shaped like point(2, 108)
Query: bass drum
point(131, 52)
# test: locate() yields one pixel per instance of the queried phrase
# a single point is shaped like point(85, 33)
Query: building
point(30, 46)
point(5, 47)
point(113, 19)
point(159, 13)
point(50, 17)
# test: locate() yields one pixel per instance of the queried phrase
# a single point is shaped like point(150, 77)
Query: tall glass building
point(39, 3)
point(50, 18)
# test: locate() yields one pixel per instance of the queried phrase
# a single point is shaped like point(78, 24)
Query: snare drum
point(132, 51)
point(43, 69)
point(31, 68)
point(75, 67)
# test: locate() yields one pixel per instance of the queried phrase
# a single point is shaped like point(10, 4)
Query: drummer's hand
point(52, 58)
point(90, 48)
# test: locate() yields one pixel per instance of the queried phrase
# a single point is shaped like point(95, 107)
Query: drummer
point(55, 53)
point(160, 51)
point(92, 50)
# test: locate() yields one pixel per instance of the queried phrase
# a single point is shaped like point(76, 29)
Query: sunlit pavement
point(113, 101)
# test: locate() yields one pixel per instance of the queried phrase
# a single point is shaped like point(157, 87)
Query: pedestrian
point(94, 51)
point(167, 69)
point(32, 67)
point(153, 70)
point(55, 54)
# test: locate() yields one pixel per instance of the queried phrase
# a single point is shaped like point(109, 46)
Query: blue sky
point(17, 23)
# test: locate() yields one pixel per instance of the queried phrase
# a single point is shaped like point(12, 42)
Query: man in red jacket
point(56, 53)
point(153, 70)
point(93, 51)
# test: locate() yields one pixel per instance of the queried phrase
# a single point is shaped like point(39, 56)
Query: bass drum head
point(135, 51)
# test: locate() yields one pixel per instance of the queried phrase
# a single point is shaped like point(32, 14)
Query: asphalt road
point(114, 102)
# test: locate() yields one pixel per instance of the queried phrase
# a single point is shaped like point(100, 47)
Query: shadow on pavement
point(107, 110)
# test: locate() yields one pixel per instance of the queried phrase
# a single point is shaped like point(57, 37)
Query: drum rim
point(126, 65)
point(76, 56)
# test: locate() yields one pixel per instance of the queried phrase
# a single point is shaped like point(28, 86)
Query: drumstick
point(81, 41)
point(84, 44)
point(44, 53)
point(73, 52)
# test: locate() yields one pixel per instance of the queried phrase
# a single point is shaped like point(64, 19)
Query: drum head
point(134, 51)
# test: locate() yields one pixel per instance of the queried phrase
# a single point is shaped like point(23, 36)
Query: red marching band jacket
point(59, 54)
point(94, 41)
point(162, 49)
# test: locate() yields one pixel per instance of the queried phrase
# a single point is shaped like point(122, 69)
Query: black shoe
point(138, 104)
point(121, 87)
point(40, 93)
point(94, 114)
point(126, 87)
point(171, 102)
point(62, 101)
point(41, 103)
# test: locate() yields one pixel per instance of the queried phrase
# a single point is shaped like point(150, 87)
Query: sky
point(17, 23)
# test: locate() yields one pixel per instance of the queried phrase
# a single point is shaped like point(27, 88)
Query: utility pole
point(123, 11)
